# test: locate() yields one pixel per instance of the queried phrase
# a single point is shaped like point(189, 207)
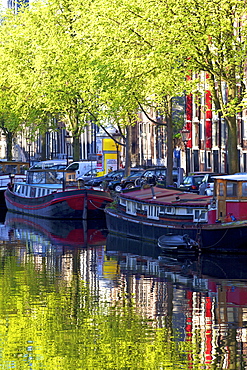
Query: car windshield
point(198, 180)
point(113, 174)
point(137, 173)
point(187, 180)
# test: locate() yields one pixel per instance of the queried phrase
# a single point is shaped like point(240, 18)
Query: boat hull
point(68, 204)
point(228, 238)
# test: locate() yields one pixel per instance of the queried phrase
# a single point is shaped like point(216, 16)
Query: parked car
point(192, 182)
point(149, 176)
point(207, 185)
point(116, 184)
point(114, 175)
point(88, 176)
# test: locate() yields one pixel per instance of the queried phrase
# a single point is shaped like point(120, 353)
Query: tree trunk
point(232, 149)
point(43, 147)
point(232, 138)
point(128, 150)
point(9, 138)
point(76, 148)
point(169, 178)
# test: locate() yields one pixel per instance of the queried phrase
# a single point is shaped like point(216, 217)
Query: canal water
point(74, 297)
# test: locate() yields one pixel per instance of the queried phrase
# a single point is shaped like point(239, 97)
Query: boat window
point(123, 202)
point(153, 212)
point(162, 210)
point(138, 206)
point(170, 210)
point(43, 192)
point(200, 215)
point(244, 189)
point(231, 189)
point(131, 208)
point(180, 211)
point(189, 211)
point(221, 189)
point(26, 192)
point(39, 192)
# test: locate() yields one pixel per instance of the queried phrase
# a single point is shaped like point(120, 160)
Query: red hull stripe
point(46, 204)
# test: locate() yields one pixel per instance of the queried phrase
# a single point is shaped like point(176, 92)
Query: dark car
point(116, 184)
point(149, 176)
point(191, 183)
point(114, 175)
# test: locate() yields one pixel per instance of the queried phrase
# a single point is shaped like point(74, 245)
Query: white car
point(207, 185)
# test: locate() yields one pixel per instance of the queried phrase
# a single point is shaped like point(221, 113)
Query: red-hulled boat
point(42, 195)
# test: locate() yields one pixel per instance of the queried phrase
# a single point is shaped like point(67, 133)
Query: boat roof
point(234, 177)
point(167, 197)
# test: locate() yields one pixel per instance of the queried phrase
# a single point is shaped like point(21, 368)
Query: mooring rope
point(95, 205)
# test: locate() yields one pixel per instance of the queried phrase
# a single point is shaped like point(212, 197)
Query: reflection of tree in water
point(59, 325)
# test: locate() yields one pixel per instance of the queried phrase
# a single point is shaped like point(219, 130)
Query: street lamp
point(185, 138)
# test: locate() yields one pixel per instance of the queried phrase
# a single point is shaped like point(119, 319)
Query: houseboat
point(217, 223)
point(44, 195)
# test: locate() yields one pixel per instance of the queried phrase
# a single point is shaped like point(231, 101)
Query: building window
point(209, 160)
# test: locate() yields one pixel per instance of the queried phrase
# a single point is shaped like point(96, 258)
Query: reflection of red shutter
point(188, 327)
point(209, 336)
point(189, 118)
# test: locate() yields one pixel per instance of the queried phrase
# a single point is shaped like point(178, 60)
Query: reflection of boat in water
point(59, 232)
point(128, 245)
point(201, 267)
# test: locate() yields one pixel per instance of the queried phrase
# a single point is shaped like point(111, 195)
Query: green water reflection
point(48, 323)
point(73, 299)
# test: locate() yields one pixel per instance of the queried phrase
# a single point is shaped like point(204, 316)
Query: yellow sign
point(109, 145)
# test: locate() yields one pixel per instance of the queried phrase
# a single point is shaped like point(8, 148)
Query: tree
point(211, 37)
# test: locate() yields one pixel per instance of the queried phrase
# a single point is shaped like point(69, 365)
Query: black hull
point(72, 204)
point(214, 238)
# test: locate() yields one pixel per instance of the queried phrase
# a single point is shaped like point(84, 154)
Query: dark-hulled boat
point(216, 223)
point(42, 195)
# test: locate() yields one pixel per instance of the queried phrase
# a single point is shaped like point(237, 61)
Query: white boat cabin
point(167, 204)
